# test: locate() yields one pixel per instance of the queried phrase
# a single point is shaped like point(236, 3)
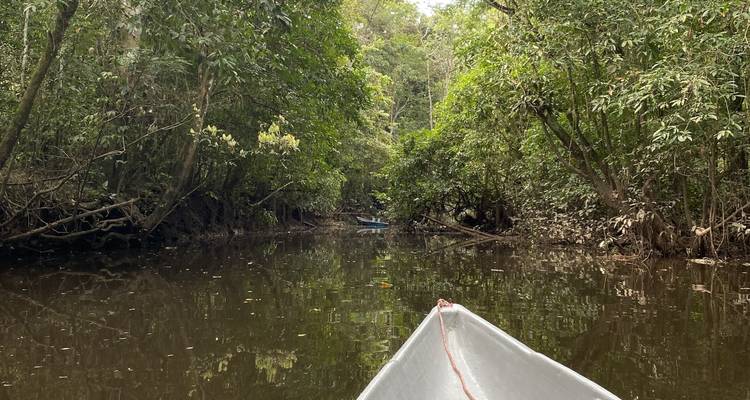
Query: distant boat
point(374, 223)
point(492, 364)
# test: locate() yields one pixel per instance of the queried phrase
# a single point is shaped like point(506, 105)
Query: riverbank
point(92, 231)
point(204, 220)
point(621, 236)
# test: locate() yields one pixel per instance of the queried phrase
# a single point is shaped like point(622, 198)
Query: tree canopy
point(635, 110)
point(125, 117)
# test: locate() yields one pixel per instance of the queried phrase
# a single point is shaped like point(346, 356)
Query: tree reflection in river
point(316, 316)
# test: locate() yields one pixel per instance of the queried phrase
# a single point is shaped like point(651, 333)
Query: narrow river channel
point(315, 316)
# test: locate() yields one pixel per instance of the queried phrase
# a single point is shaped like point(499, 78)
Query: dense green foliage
point(636, 110)
point(262, 111)
point(214, 105)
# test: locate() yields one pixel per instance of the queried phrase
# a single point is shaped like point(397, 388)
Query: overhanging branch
point(500, 7)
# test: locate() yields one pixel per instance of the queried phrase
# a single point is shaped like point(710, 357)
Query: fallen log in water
point(464, 230)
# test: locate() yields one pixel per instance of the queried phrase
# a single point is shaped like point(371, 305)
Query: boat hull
point(371, 223)
point(495, 366)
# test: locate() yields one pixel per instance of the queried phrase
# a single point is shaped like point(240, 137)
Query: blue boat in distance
point(374, 223)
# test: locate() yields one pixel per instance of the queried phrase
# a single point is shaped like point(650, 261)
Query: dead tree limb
point(57, 186)
point(263, 200)
point(464, 230)
point(700, 232)
point(64, 221)
point(164, 215)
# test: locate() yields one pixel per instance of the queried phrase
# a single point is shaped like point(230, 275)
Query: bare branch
point(63, 221)
point(700, 232)
point(270, 195)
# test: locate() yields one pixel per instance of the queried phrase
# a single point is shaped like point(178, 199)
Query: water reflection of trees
point(309, 318)
point(646, 331)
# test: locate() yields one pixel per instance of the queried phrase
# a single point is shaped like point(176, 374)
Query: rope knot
point(444, 303)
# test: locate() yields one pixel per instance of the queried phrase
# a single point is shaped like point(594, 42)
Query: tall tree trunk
point(188, 153)
point(25, 54)
point(737, 155)
point(65, 13)
point(422, 42)
point(130, 31)
point(429, 93)
point(683, 189)
point(747, 120)
point(713, 194)
point(234, 176)
point(130, 39)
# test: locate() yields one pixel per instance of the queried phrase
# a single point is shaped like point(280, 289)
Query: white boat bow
point(494, 365)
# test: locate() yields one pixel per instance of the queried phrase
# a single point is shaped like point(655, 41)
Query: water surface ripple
point(314, 317)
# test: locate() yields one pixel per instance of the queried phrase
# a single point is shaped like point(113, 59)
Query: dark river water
point(315, 316)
